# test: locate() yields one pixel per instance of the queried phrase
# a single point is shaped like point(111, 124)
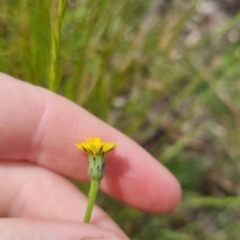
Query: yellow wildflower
point(96, 147)
point(97, 151)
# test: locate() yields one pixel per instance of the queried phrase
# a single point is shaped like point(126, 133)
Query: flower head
point(97, 151)
point(95, 147)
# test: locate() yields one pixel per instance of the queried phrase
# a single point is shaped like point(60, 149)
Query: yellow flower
point(97, 151)
point(95, 147)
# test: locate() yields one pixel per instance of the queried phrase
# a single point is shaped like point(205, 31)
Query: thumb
point(34, 229)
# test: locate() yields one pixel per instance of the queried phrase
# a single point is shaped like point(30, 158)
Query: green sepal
point(96, 167)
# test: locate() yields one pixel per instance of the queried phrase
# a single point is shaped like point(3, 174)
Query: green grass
point(129, 63)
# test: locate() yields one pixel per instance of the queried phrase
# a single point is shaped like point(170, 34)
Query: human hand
point(38, 130)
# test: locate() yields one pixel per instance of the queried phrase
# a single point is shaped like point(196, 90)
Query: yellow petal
point(95, 146)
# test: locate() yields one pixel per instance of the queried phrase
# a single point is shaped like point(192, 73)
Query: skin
point(38, 130)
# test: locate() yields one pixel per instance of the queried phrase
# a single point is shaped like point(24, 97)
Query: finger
point(33, 229)
point(32, 191)
point(42, 127)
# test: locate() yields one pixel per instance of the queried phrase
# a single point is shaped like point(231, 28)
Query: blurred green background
point(166, 73)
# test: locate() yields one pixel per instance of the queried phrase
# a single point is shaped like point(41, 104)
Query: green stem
point(58, 8)
point(92, 197)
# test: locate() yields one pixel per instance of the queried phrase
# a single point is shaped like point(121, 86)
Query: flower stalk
point(92, 198)
point(96, 150)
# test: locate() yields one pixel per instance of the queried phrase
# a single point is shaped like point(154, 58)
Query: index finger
point(42, 127)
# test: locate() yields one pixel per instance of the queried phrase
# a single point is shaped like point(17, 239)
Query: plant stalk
point(57, 10)
point(92, 197)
